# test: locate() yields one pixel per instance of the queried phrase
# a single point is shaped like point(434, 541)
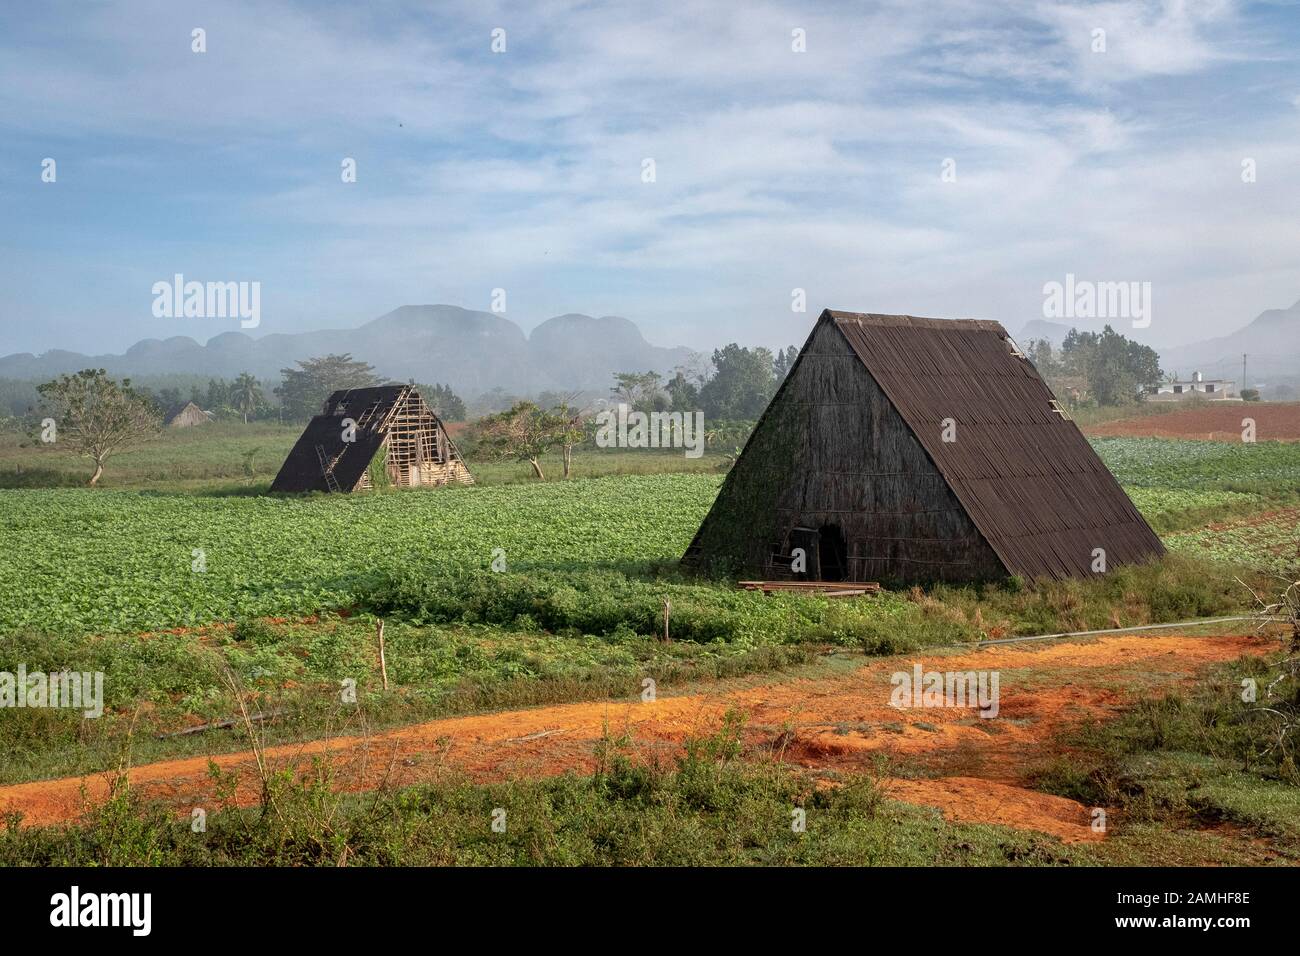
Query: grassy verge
point(216, 455)
point(710, 806)
point(705, 808)
point(161, 684)
point(1197, 760)
point(524, 639)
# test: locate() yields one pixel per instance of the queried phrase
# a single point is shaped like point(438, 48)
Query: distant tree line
point(736, 385)
point(240, 397)
point(1101, 368)
point(732, 390)
point(300, 394)
point(303, 390)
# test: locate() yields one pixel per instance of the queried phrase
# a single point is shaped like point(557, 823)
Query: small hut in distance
point(186, 416)
point(387, 426)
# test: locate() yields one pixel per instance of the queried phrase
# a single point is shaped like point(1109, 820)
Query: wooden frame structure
point(418, 450)
point(336, 450)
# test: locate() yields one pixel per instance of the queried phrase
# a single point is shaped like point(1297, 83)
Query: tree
point(97, 416)
point(573, 433)
point(1113, 366)
point(246, 394)
point(1043, 357)
point(218, 395)
point(641, 390)
point(683, 393)
point(168, 398)
point(497, 399)
point(304, 389)
point(524, 432)
point(445, 403)
point(744, 383)
point(784, 362)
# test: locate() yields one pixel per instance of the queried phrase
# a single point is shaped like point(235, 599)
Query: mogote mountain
point(472, 351)
point(1272, 342)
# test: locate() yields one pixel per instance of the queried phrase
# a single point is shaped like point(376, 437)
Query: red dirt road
point(839, 722)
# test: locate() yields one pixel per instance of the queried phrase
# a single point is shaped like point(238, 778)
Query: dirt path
point(975, 767)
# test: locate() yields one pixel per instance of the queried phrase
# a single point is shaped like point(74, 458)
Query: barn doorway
point(832, 553)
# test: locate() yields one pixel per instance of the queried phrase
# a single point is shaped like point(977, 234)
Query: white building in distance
point(1179, 390)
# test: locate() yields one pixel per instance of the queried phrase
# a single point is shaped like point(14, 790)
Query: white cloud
point(775, 168)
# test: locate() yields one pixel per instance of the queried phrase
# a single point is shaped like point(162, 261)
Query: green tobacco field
point(121, 561)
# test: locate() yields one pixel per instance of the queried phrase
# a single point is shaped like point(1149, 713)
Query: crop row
point(1201, 465)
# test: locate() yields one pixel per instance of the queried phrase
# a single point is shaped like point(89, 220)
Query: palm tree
point(246, 394)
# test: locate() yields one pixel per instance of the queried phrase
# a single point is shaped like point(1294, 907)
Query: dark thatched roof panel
point(1027, 476)
point(354, 401)
point(301, 471)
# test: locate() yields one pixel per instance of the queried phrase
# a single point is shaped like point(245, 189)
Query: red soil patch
point(838, 722)
point(1274, 421)
point(1287, 517)
point(975, 800)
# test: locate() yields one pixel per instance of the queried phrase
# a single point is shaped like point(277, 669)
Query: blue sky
point(521, 170)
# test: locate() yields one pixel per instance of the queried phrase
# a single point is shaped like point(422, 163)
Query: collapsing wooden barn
point(385, 435)
point(913, 450)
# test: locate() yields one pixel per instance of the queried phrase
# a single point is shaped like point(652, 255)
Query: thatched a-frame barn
point(389, 427)
point(912, 450)
point(186, 416)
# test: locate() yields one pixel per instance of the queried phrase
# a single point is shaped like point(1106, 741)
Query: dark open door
point(832, 554)
point(806, 539)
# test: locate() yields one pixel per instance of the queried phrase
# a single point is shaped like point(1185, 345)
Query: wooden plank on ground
point(841, 588)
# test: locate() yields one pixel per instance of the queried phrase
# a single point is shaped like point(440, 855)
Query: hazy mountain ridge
point(477, 351)
point(472, 351)
point(1272, 342)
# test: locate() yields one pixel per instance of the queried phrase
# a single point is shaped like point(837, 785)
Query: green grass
point(168, 682)
point(99, 561)
point(1175, 509)
point(592, 463)
point(1099, 415)
point(575, 614)
point(1193, 759)
point(214, 460)
point(108, 560)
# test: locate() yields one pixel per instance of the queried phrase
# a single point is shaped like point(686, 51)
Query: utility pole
point(1243, 369)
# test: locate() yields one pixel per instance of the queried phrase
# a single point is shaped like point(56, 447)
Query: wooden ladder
point(364, 419)
point(327, 469)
